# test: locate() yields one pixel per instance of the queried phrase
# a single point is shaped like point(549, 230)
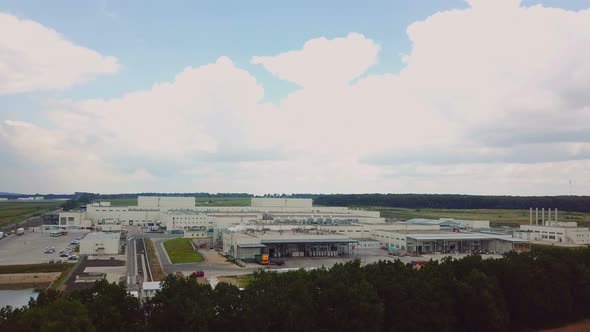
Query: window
point(70, 218)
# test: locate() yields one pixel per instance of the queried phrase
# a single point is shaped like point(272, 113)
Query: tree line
point(451, 201)
point(545, 287)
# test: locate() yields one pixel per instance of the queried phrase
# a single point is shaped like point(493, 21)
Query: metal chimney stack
point(555, 215)
point(531, 216)
point(537, 216)
point(549, 217)
point(542, 216)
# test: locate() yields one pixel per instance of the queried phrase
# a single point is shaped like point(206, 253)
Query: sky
point(335, 96)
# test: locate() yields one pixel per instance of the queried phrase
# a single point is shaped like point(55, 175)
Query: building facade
point(100, 243)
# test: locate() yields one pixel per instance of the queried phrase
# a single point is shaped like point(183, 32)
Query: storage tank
point(20, 231)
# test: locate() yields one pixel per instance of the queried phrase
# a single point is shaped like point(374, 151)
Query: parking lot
point(29, 248)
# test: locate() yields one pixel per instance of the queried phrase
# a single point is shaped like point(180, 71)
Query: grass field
point(33, 268)
point(181, 251)
point(496, 217)
point(11, 212)
point(200, 201)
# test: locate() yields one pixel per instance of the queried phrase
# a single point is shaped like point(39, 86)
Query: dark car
point(64, 254)
point(51, 261)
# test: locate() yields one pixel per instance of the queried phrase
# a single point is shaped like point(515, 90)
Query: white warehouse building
point(100, 244)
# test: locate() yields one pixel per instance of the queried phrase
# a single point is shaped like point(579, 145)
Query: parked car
point(47, 251)
point(51, 261)
point(73, 257)
point(199, 274)
point(65, 254)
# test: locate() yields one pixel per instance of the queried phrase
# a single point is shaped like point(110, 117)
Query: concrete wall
point(355, 232)
point(124, 215)
point(390, 239)
point(177, 221)
point(73, 218)
point(91, 245)
point(195, 234)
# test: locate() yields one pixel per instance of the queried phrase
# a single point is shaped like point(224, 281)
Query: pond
point(16, 297)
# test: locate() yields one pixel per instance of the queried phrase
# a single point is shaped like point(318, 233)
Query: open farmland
point(495, 216)
point(11, 212)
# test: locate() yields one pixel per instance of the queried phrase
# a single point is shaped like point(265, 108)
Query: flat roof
point(289, 236)
point(101, 235)
point(151, 285)
point(326, 240)
point(251, 245)
point(460, 236)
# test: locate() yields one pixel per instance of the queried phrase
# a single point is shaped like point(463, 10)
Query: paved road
point(133, 233)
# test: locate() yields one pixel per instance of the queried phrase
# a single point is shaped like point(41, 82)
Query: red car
point(199, 274)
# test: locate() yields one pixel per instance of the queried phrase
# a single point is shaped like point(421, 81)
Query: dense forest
point(543, 288)
point(448, 201)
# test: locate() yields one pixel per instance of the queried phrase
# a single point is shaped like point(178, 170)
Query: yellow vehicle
point(262, 259)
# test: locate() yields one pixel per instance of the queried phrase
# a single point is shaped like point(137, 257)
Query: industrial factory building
point(181, 214)
point(247, 243)
point(545, 228)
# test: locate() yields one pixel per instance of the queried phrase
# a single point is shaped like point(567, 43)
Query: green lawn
point(496, 217)
point(34, 268)
point(181, 251)
point(11, 212)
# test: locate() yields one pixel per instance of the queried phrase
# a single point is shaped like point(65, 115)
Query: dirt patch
point(202, 281)
point(214, 257)
point(581, 326)
point(27, 280)
point(230, 280)
point(156, 268)
point(239, 281)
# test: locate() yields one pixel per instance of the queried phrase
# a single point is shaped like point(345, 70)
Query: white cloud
point(34, 57)
point(492, 100)
point(323, 62)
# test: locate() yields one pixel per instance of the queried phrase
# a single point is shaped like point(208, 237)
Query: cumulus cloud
point(34, 57)
point(323, 61)
point(491, 100)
